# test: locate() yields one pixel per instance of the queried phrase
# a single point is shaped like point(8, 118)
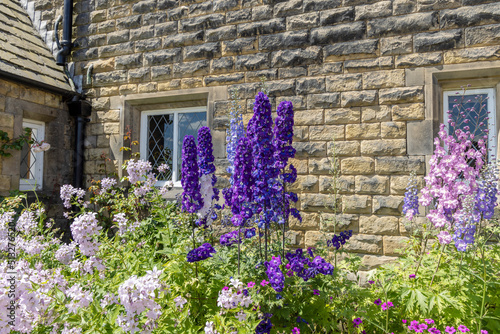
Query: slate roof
point(23, 54)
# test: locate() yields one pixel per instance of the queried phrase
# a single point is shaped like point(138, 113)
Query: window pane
point(469, 113)
point(28, 159)
point(160, 143)
point(189, 123)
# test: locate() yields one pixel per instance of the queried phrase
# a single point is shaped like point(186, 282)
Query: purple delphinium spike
point(260, 134)
point(242, 189)
point(274, 273)
point(205, 151)
point(191, 197)
point(283, 135)
point(201, 253)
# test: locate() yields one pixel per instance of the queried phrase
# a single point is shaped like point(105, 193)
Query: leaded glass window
point(31, 165)
point(162, 135)
point(473, 111)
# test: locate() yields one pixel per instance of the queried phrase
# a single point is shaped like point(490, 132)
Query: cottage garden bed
point(139, 264)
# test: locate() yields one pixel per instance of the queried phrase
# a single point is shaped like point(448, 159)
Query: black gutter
point(66, 43)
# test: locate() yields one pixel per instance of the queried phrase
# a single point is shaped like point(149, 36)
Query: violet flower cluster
point(232, 238)
point(264, 327)
point(283, 135)
point(241, 191)
point(274, 273)
point(486, 196)
point(260, 133)
point(305, 268)
point(191, 196)
point(205, 151)
point(201, 253)
point(410, 206)
point(339, 240)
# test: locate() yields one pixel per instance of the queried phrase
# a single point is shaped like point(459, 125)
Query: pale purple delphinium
point(410, 206)
point(451, 182)
point(235, 132)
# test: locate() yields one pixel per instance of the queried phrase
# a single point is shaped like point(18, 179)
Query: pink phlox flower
point(295, 330)
point(251, 284)
point(463, 328)
point(264, 282)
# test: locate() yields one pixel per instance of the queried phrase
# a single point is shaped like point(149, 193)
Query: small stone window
point(478, 107)
point(31, 168)
point(162, 134)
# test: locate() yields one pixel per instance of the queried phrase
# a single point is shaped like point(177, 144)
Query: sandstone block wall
point(354, 70)
point(17, 102)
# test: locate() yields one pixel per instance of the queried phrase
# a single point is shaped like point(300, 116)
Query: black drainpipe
point(77, 107)
point(80, 109)
point(66, 43)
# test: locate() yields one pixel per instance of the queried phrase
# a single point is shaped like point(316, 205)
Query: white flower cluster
point(26, 222)
point(68, 191)
point(209, 328)
point(137, 295)
point(85, 230)
point(94, 262)
point(5, 219)
point(66, 253)
point(179, 302)
point(79, 298)
point(107, 183)
point(137, 169)
point(230, 299)
point(32, 298)
point(124, 224)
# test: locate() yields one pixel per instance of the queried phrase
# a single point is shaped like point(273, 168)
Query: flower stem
point(439, 262)
point(421, 255)
point(239, 249)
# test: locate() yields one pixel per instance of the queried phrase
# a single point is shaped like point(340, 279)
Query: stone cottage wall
point(355, 71)
point(18, 101)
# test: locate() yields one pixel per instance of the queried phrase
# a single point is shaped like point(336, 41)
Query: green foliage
point(6, 143)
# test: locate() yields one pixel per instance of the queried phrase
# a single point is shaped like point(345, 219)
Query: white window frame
point(492, 121)
point(37, 182)
point(144, 136)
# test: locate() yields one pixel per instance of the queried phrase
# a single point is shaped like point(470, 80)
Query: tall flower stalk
point(283, 151)
point(260, 133)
